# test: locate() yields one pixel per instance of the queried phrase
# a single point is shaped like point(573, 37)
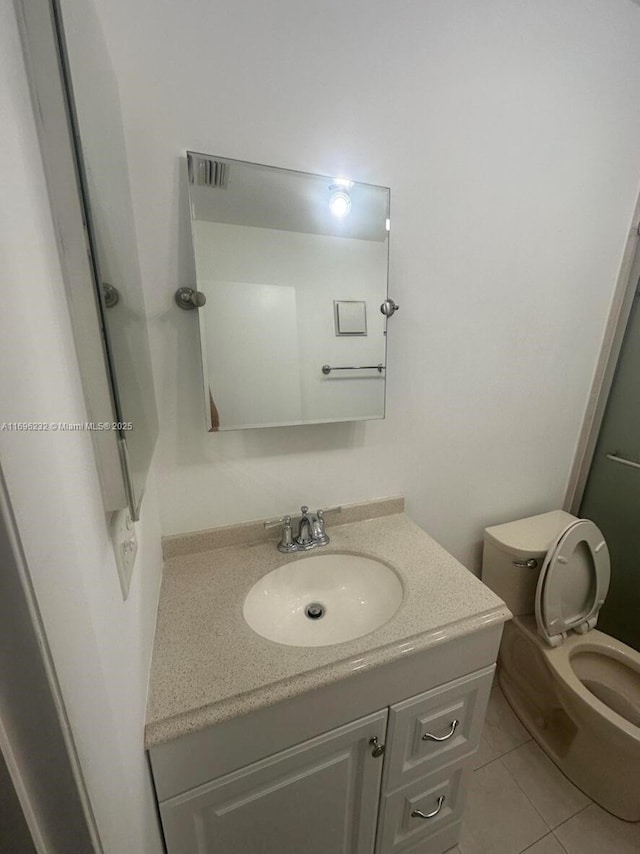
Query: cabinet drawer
point(440, 797)
point(435, 728)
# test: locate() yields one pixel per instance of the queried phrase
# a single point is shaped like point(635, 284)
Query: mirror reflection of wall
point(277, 253)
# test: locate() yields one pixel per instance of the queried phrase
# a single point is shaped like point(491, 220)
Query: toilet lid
point(573, 582)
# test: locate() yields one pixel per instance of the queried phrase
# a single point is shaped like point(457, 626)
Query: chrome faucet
point(305, 535)
point(311, 531)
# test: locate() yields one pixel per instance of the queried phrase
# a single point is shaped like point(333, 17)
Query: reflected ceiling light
point(340, 200)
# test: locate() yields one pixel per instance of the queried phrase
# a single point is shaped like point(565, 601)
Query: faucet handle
point(286, 543)
point(272, 523)
point(319, 533)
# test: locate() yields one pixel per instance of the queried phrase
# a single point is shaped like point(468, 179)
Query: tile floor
point(519, 801)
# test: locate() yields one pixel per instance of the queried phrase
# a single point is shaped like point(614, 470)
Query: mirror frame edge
point(39, 37)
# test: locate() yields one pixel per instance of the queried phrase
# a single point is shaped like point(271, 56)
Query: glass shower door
point(612, 494)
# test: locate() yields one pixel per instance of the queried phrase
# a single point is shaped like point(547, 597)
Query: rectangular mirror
point(82, 141)
point(96, 120)
point(294, 269)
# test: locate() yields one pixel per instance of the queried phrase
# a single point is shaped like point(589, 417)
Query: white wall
point(101, 646)
point(508, 132)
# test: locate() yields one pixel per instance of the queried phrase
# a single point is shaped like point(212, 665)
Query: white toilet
point(576, 689)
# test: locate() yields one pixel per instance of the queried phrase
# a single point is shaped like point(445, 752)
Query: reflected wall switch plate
point(350, 317)
point(125, 546)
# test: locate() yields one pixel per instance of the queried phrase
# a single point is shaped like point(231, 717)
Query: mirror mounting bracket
point(189, 298)
point(389, 308)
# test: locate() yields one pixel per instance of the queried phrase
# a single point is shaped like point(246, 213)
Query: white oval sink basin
point(323, 599)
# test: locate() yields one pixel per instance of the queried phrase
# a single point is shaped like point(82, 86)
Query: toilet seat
point(573, 582)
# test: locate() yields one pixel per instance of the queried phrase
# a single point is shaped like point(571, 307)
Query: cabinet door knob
point(419, 814)
point(378, 749)
point(429, 737)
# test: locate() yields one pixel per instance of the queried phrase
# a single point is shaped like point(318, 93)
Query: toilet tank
point(518, 542)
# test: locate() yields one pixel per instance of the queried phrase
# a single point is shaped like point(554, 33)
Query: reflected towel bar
point(326, 369)
point(616, 459)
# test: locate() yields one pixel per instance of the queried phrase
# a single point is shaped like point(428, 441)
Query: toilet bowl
point(575, 688)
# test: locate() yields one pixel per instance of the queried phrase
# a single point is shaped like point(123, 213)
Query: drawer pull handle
point(419, 814)
point(429, 737)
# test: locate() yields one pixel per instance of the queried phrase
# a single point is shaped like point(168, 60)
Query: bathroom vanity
point(363, 746)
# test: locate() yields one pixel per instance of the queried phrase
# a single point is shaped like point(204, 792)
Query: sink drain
point(315, 611)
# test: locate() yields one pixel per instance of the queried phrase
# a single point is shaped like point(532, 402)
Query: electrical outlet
point(125, 546)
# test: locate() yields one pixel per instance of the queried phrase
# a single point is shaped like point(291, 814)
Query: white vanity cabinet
point(334, 793)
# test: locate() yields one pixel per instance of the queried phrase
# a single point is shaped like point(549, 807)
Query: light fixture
point(340, 203)
point(340, 200)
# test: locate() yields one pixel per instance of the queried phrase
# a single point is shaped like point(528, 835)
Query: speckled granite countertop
point(209, 666)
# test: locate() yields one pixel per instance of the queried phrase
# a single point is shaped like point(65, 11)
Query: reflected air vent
point(208, 172)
